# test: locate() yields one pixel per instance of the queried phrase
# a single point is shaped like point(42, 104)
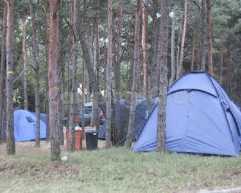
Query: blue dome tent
point(24, 125)
point(200, 118)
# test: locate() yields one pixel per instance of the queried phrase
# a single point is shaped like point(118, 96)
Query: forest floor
point(116, 170)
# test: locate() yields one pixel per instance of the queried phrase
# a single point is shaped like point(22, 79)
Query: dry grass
point(116, 170)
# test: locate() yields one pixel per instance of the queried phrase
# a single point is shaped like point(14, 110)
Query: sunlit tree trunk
point(9, 76)
point(109, 77)
point(53, 78)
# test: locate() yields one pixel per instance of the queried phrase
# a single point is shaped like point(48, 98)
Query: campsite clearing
point(116, 170)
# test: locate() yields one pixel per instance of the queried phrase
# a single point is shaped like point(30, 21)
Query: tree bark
point(210, 37)
point(10, 76)
point(35, 53)
point(203, 39)
point(162, 51)
point(136, 62)
point(95, 111)
point(2, 74)
point(53, 79)
point(173, 37)
point(117, 47)
point(24, 59)
point(144, 48)
point(153, 67)
point(183, 39)
point(73, 68)
point(109, 77)
point(221, 66)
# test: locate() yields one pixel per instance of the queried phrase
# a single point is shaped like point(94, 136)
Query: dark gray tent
point(119, 122)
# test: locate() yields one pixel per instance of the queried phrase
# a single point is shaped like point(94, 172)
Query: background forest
point(114, 49)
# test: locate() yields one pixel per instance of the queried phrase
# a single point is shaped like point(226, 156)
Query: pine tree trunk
point(95, 111)
point(117, 46)
point(118, 20)
point(109, 77)
point(173, 37)
point(179, 45)
point(210, 38)
point(24, 58)
point(183, 39)
point(194, 62)
point(153, 67)
point(73, 68)
point(82, 96)
point(221, 67)
point(203, 39)
point(162, 52)
point(53, 79)
point(2, 73)
point(144, 48)
point(37, 75)
point(136, 62)
point(9, 76)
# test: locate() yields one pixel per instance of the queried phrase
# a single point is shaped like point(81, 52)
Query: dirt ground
point(29, 147)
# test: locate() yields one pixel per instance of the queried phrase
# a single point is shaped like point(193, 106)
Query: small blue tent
point(200, 118)
point(24, 126)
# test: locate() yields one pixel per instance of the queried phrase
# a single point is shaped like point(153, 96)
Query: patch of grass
point(117, 170)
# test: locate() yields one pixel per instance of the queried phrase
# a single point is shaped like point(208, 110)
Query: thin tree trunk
point(183, 39)
point(221, 79)
point(162, 58)
point(179, 46)
point(37, 75)
point(9, 76)
point(203, 39)
point(53, 78)
point(95, 111)
point(117, 53)
point(109, 77)
point(73, 68)
point(144, 48)
point(82, 97)
point(2, 73)
point(153, 67)
point(116, 136)
point(210, 38)
point(24, 55)
point(194, 51)
point(173, 37)
point(134, 76)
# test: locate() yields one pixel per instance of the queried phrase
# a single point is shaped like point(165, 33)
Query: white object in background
point(64, 158)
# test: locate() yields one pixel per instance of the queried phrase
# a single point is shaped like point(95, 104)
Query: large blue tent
point(200, 118)
point(25, 124)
